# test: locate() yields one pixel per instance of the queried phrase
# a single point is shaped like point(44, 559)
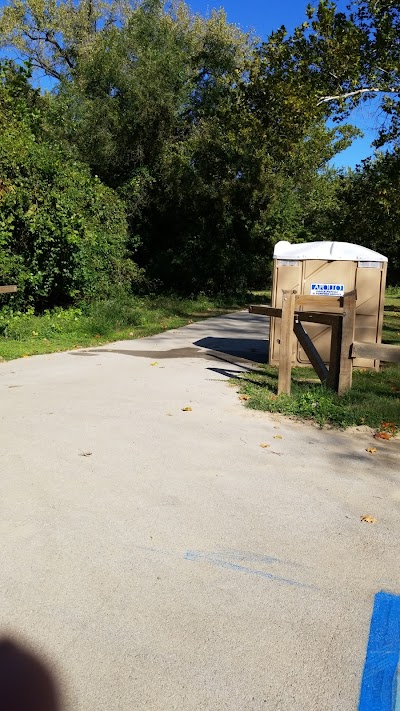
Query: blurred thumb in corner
point(25, 682)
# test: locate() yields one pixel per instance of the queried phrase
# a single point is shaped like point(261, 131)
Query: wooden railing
point(338, 376)
point(380, 351)
point(343, 349)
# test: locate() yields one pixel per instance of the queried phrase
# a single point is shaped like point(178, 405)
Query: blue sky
point(264, 16)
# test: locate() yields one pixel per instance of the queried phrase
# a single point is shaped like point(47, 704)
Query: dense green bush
point(63, 234)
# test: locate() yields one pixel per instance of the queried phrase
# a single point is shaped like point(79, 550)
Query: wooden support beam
point(348, 327)
point(316, 302)
point(334, 358)
point(10, 289)
point(285, 348)
point(265, 310)
point(311, 351)
point(376, 351)
point(314, 317)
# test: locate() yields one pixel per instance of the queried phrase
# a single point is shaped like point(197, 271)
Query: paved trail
point(179, 565)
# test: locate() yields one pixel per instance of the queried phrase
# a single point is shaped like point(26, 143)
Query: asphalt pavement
point(159, 558)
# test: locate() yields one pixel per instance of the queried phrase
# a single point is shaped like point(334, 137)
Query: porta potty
point(330, 269)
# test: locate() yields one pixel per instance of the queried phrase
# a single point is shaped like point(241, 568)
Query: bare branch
point(357, 92)
point(51, 39)
point(47, 69)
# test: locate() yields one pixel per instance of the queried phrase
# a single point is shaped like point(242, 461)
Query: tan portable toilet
point(330, 269)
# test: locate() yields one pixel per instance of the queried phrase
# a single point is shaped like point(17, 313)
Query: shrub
point(63, 234)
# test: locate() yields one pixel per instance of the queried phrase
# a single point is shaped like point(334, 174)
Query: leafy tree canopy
point(216, 144)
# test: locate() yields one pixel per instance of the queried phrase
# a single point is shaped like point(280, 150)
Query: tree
point(343, 58)
point(211, 141)
point(55, 35)
point(62, 233)
point(369, 211)
point(308, 198)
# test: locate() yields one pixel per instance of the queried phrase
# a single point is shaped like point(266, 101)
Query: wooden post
point(334, 358)
point(348, 327)
point(285, 348)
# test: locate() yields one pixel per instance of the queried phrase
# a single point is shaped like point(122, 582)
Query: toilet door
point(318, 274)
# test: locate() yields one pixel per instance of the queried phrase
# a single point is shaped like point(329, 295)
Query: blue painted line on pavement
point(380, 686)
point(217, 560)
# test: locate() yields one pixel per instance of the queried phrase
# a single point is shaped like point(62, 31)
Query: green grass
point(391, 322)
point(374, 398)
point(24, 333)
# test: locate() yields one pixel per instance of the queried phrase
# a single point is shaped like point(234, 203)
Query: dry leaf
point(155, 363)
point(244, 397)
point(382, 435)
point(368, 519)
point(186, 409)
point(371, 450)
point(278, 437)
point(264, 446)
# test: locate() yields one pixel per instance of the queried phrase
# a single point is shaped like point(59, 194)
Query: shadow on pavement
point(247, 348)
point(159, 355)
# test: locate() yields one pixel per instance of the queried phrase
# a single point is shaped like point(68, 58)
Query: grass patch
point(391, 321)
point(124, 317)
point(373, 399)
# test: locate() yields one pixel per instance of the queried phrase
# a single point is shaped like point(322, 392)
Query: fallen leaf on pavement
point(264, 446)
point(278, 437)
point(244, 397)
point(382, 435)
point(371, 450)
point(368, 519)
point(186, 409)
point(155, 363)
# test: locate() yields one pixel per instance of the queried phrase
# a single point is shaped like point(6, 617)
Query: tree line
point(166, 150)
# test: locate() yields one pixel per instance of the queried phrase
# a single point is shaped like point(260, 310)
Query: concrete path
point(162, 559)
